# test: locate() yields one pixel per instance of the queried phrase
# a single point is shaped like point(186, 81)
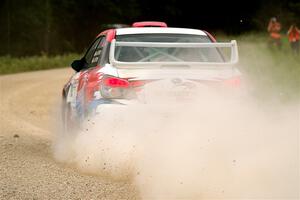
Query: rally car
point(120, 62)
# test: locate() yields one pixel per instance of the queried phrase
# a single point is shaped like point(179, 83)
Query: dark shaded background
point(60, 26)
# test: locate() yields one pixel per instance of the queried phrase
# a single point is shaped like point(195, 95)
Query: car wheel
point(69, 126)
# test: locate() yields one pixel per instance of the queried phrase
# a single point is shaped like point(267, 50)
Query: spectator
point(294, 37)
point(274, 28)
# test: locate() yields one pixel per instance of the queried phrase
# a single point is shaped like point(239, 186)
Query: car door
point(74, 91)
point(91, 59)
point(94, 76)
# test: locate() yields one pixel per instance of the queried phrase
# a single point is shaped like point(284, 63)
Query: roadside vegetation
point(9, 65)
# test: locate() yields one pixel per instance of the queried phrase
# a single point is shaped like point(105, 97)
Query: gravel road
point(256, 157)
point(27, 167)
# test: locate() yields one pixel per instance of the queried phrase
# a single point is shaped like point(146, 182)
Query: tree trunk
point(8, 48)
point(47, 28)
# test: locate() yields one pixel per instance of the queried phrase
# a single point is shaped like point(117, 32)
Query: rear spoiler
point(121, 64)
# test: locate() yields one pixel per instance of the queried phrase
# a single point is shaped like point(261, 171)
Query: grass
point(274, 73)
point(9, 65)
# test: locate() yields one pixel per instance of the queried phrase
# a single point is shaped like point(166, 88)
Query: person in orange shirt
point(294, 37)
point(274, 28)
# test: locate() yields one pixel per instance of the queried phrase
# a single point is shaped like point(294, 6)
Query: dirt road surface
point(27, 167)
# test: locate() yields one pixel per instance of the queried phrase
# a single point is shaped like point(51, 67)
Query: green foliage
point(10, 65)
point(53, 27)
point(287, 12)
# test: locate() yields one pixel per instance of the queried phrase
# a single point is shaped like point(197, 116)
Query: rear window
point(166, 54)
point(162, 38)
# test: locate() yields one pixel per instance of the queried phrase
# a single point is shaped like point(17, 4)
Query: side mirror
point(78, 65)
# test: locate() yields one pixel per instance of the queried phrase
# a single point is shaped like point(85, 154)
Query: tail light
point(116, 82)
point(113, 87)
point(233, 82)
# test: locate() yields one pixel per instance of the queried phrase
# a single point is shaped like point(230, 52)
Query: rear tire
point(69, 125)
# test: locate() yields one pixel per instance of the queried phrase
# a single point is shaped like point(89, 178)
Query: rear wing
point(122, 64)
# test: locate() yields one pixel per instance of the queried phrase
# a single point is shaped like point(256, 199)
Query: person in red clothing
point(274, 28)
point(294, 37)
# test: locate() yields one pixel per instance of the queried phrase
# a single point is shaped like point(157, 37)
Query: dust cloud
point(204, 145)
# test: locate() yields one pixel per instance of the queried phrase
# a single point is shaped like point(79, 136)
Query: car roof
point(152, 30)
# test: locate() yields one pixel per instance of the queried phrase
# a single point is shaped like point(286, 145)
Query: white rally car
point(121, 62)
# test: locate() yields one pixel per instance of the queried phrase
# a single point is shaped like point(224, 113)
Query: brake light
point(113, 87)
point(149, 24)
point(116, 82)
point(233, 82)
